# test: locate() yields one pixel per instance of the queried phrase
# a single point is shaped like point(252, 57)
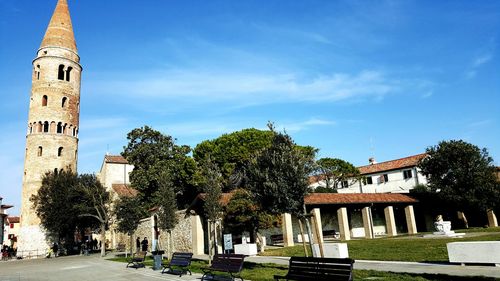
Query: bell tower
point(53, 121)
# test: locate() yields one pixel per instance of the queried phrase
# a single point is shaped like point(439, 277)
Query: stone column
point(197, 235)
point(317, 226)
point(343, 224)
point(410, 220)
point(367, 222)
point(492, 219)
point(287, 230)
point(390, 222)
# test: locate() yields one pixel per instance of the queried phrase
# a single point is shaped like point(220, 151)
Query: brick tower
point(52, 136)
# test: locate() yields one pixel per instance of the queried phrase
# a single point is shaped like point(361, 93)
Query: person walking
point(144, 244)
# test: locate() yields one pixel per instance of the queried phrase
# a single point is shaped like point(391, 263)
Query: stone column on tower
point(53, 122)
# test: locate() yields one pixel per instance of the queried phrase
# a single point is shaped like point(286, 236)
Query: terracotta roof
point(357, 198)
point(339, 198)
point(124, 190)
point(117, 159)
point(60, 30)
point(13, 219)
point(409, 161)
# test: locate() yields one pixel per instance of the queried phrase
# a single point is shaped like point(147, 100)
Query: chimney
point(372, 161)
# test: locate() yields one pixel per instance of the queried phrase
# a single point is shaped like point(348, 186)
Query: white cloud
point(250, 88)
point(482, 60)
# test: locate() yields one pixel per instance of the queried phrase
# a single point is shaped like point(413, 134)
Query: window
point(369, 180)
point(40, 151)
point(59, 128)
point(59, 152)
point(407, 174)
point(11, 225)
point(383, 178)
point(55, 171)
point(37, 72)
point(63, 102)
point(60, 73)
point(68, 73)
point(45, 99)
point(345, 184)
point(46, 127)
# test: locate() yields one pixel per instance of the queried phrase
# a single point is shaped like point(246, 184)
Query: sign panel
point(228, 241)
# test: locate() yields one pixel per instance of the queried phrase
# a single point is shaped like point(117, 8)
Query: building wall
point(396, 182)
point(113, 173)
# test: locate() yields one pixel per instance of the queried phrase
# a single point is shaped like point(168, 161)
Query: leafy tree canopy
point(54, 203)
point(212, 186)
point(129, 212)
point(334, 171)
point(462, 174)
point(66, 202)
point(278, 175)
point(242, 214)
point(230, 151)
point(166, 202)
point(152, 152)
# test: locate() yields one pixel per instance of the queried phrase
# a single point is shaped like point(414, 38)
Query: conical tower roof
point(60, 30)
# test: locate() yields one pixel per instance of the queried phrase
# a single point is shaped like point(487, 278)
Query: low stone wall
point(181, 235)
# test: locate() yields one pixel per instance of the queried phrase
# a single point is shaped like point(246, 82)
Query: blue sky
point(352, 78)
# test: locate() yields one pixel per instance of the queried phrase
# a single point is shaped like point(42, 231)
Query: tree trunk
point(209, 229)
point(309, 232)
point(303, 237)
point(103, 239)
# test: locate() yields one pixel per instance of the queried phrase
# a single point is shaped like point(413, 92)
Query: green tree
point(212, 186)
point(152, 152)
point(334, 172)
point(54, 204)
point(129, 212)
point(96, 203)
point(167, 206)
point(243, 214)
point(462, 174)
point(231, 151)
point(278, 177)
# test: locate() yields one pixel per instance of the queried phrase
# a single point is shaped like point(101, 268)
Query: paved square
point(80, 268)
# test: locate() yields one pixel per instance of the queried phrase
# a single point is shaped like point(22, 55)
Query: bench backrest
point(140, 255)
point(181, 259)
point(228, 262)
point(302, 268)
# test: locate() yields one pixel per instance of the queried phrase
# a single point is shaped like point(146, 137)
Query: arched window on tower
point(63, 102)
point(59, 152)
point(60, 73)
point(46, 127)
point(39, 127)
point(40, 151)
point(59, 128)
point(68, 72)
point(38, 72)
point(45, 100)
point(74, 131)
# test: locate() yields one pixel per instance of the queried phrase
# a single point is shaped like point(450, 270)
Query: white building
point(394, 176)
point(114, 176)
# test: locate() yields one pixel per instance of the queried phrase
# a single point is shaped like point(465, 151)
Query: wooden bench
point(178, 264)
point(276, 239)
point(137, 260)
point(331, 234)
point(317, 269)
point(229, 264)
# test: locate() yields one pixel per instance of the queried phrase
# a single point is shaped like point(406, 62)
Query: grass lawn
point(265, 272)
point(415, 249)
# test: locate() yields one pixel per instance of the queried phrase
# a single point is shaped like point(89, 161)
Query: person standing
point(55, 248)
point(144, 244)
point(137, 244)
